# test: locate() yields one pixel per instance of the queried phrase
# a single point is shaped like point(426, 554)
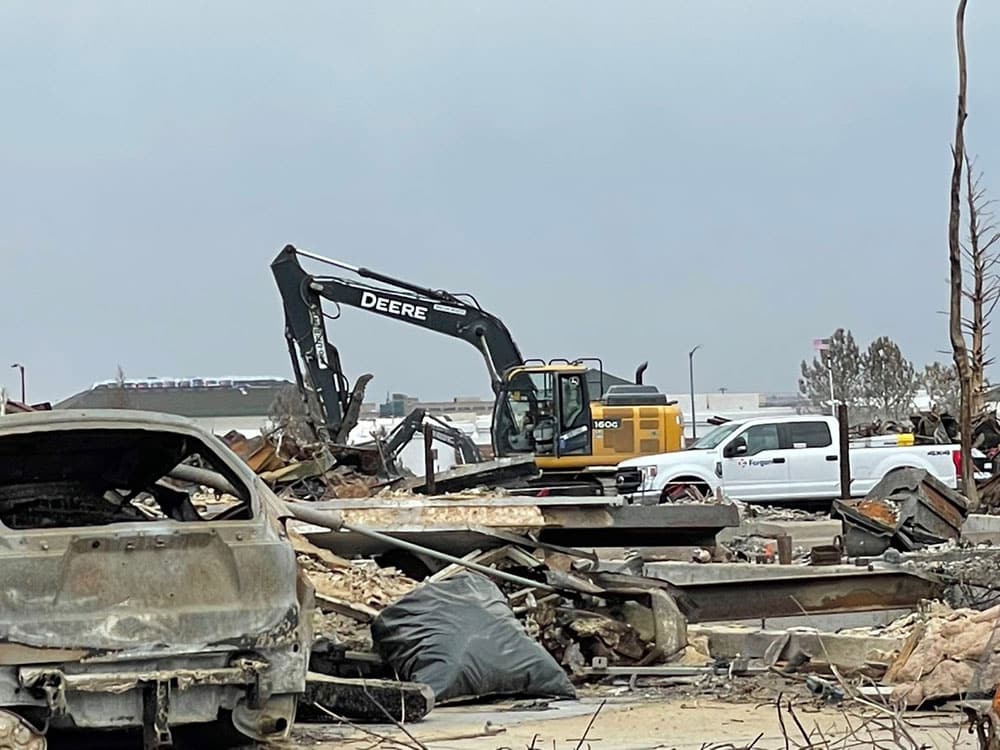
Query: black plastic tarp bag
point(460, 637)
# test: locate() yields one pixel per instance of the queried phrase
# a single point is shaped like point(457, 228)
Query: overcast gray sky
point(621, 179)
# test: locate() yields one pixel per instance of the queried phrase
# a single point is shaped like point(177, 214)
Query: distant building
point(397, 405)
point(228, 403)
point(217, 404)
point(401, 404)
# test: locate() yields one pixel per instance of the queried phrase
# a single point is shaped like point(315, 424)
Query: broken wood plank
point(449, 570)
point(511, 554)
point(892, 673)
point(303, 546)
point(354, 610)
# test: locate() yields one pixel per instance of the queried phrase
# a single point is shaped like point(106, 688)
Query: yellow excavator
point(544, 409)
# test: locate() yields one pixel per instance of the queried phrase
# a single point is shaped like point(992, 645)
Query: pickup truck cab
point(779, 459)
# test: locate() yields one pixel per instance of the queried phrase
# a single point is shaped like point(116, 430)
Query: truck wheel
point(685, 489)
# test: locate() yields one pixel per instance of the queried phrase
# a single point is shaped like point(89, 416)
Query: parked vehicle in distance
point(779, 459)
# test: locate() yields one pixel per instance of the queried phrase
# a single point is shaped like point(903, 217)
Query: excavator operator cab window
point(524, 421)
point(572, 400)
point(574, 419)
point(540, 412)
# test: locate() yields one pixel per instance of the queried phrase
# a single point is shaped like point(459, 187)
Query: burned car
point(131, 597)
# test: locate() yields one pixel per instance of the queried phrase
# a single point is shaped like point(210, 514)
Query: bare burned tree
point(120, 399)
point(288, 413)
point(960, 351)
point(941, 383)
point(984, 292)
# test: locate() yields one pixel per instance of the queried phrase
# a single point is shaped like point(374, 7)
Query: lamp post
point(20, 367)
point(694, 422)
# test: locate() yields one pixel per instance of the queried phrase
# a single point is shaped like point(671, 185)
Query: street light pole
point(20, 367)
point(694, 421)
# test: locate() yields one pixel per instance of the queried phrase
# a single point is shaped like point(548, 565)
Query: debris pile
point(775, 514)
point(348, 594)
point(604, 627)
point(971, 576)
point(940, 429)
point(579, 615)
point(926, 427)
point(596, 623)
point(909, 509)
point(989, 495)
point(300, 471)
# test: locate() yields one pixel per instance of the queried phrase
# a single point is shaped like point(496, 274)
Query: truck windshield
point(716, 436)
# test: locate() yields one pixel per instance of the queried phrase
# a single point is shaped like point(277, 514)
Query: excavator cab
point(543, 410)
point(548, 410)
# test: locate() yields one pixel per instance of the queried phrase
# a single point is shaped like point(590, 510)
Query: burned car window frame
point(22, 479)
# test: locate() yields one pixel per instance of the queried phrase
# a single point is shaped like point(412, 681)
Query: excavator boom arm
point(431, 309)
point(315, 359)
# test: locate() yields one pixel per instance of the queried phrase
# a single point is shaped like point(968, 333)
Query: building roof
point(237, 400)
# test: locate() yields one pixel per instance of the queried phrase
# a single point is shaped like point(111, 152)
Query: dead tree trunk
point(976, 374)
point(985, 291)
point(120, 399)
point(959, 350)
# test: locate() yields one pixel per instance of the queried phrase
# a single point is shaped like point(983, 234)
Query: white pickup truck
point(778, 459)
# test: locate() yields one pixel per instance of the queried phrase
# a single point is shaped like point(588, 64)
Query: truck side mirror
point(736, 448)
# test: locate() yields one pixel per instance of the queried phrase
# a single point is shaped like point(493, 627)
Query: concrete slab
point(848, 651)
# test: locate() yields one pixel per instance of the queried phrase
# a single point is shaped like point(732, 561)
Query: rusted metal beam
point(762, 598)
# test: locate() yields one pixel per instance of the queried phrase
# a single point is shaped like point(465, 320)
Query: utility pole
point(823, 347)
point(844, 443)
point(833, 400)
point(694, 421)
point(19, 366)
